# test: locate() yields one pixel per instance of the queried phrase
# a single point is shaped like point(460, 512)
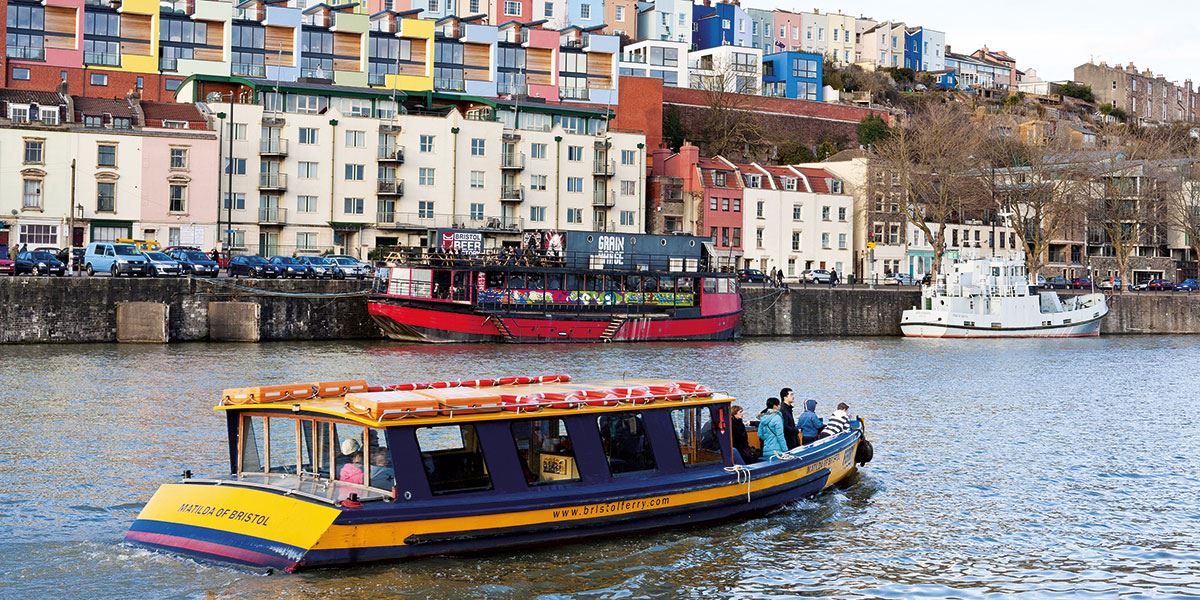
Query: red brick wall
point(46, 78)
point(640, 108)
point(804, 108)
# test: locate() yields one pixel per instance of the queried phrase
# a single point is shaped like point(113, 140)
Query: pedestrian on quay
point(838, 422)
point(216, 256)
point(741, 441)
point(791, 433)
point(833, 278)
point(770, 430)
point(809, 423)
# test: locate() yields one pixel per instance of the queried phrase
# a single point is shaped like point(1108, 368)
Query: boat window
point(710, 285)
point(650, 283)
point(318, 451)
point(626, 443)
point(545, 451)
point(349, 448)
point(554, 281)
point(282, 437)
point(535, 281)
point(613, 283)
point(698, 443)
point(593, 283)
point(683, 284)
point(495, 280)
point(516, 281)
point(383, 476)
point(252, 448)
point(573, 282)
point(453, 459)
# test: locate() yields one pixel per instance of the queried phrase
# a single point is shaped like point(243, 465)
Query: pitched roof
point(98, 106)
point(31, 97)
point(171, 111)
point(818, 179)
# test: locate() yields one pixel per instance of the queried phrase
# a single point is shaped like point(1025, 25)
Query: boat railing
point(510, 257)
point(615, 310)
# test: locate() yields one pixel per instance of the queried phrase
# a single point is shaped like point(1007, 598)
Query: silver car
point(162, 265)
point(352, 267)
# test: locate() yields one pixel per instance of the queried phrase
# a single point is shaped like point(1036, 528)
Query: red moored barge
point(563, 287)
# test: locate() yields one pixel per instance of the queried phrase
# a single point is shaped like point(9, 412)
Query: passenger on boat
point(352, 472)
point(809, 423)
point(741, 442)
point(839, 422)
point(791, 434)
point(382, 474)
point(770, 429)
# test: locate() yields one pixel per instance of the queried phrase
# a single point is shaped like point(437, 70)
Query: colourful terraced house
point(108, 48)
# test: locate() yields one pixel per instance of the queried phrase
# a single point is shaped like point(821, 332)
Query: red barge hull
point(410, 321)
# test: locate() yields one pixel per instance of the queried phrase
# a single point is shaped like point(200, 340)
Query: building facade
point(795, 75)
point(719, 24)
point(666, 20)
point(1144, 96)
point(924, 50)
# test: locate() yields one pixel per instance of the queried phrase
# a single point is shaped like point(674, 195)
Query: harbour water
point(1006, 467)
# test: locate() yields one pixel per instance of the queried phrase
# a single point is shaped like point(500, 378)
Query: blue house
point(721, 24)
point(795, 75)
point(912, 48)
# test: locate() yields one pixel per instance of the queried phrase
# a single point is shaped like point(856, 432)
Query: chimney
point(689, 154)
point(658, 159)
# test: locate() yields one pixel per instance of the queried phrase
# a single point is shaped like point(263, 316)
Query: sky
point(1052, 36)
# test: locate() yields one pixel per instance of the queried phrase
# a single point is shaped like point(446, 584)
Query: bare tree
point(729, 123)
point(934, 154)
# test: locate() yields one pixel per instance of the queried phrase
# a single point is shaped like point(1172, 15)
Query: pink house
point(787, 31)
point(180, 173)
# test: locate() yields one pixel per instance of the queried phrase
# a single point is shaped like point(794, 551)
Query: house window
point(306, 240)
point(537, 150)
point(356, 139)
point(38, 235)
point(179, 158)
point(620, 13)
point(537, 214)
point(628, 187)
point(306, 170)
point(537, 182)
point(308, 135)
point(353, 206)
point(797, 212)
point(841, 241)
point(98, 79)
point(31, 193)
point(425, 176)
point(306, 204)
point(824, 213)
point(477, 180)
point(33, 151)
point(628, 217)
point(575, 153)
point(737, 205)
point(575, 185)
point(106, 155)
point(239, 201)
point(355, 172)
point(719, 179)
point(172, 84)
point(795, 241)
point(825, 240)
point(20, 74)
point(426, 143)
point(585, 11)
point(512, 8)
point(237, 165)
point(425, 209)
point(628, 157)
point(549, 8)
point(106, 200)
point(725, 204)
point(574, 215)
point(478, 145)
point(476, 210)
point(712, 203)
point(737, 237)
point(842, 214)
point(177, 198)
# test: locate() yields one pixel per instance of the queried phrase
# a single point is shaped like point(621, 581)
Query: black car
point(252, 266)
point(292, 267)
point(751, 276)
point(38, 262)
point(194, 262)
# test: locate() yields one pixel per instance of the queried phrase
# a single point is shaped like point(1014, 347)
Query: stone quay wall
point(102, 309)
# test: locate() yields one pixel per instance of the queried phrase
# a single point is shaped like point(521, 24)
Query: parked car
point(292, 267)
point(322, 268)
point(1112, 283)
point(194, 262)
point(904, 279)
point(353, 267)
point(115, 259)
point(38, 262)
point(751, 276)
point(1058, 282)
point(6, 266)
point(162, 265)
point(142, 245)
point(815, 276)
point(1159, 285)
point(1081, 283)
point(1187, 285)
point(252, 266)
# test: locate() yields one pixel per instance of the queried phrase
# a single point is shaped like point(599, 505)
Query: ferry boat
point(338, 473)
point(557, 287)
point(992, 297)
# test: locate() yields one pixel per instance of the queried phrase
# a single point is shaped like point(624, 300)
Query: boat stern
point(231, 524)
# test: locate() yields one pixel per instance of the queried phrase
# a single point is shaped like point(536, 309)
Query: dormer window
point(122, 123)
point(835, 186)
point(719, 179)
point(753, 181)
point(789, 183)
point(18, 113)
point(49, 116)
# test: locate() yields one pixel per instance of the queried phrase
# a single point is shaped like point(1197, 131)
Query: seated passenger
point(352, 472)
point(382, 474)
point(741, 442)
point(839, 422)
point(770, 430)
point(810, 424)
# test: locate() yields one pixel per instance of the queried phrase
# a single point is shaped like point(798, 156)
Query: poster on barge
point(603, 250)
point(467, 243)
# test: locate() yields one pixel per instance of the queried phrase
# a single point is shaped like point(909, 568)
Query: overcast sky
point(1048, 35)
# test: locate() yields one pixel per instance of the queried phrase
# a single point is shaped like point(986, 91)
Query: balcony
point(103, 59)
point(638, 58)
point(389, 187)
point(182, 7)
point(26, 52)
point(321, 74)
point(391, 154)
point(168, 63)
point(272, 216)
point(420, 221)
point(247, 70)
point(390, 127)
point(273, 147)
point(602, 198)
point(512, 160)
point(272, 181)
point(512, 193)
point(604, 168)
point(442, 84)
point(573, 93)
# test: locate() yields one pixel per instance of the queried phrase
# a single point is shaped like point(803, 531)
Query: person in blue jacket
point(770, 430)
point(809, 423)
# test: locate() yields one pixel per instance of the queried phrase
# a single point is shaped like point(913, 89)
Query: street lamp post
point(228, 244)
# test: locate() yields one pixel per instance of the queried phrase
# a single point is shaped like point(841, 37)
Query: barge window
point(495, 280)
point(453, 459)
point(383, 476)
point(545, 449)
point(350, 453)
point(281, 436)
point(252, 448)
point(626, 443)
point(698, 443)
point(710, 285)
point(319, 451)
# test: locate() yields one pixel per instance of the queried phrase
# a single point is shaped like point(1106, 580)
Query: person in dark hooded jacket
point(790, 433)
point(809, 423)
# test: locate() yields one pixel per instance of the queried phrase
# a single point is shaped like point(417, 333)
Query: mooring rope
point(743, 476)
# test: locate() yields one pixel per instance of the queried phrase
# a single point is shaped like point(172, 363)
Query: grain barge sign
point(597, 250)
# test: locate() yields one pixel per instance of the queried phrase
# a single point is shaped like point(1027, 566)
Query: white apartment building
point(882, 46)
point(665, 20)
point(729, 68)
point(350, 174)
point(795, 219)
point(663, 59)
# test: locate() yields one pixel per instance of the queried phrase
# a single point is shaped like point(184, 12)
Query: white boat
point(992, 297)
